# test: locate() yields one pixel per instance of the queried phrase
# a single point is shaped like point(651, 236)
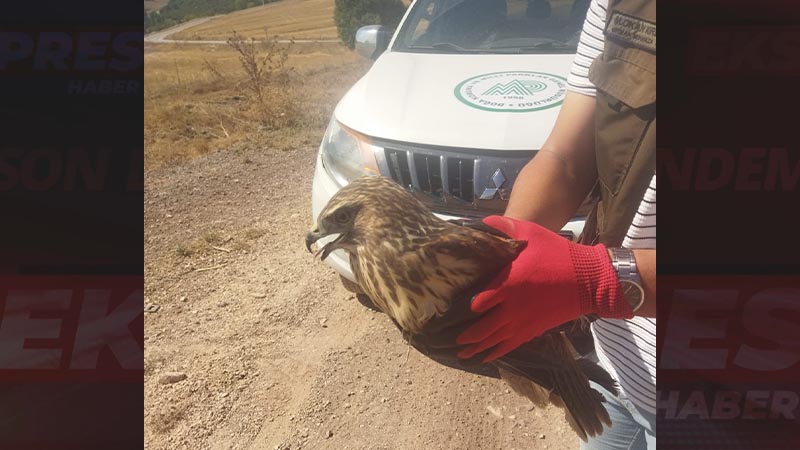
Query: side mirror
point(372, 40)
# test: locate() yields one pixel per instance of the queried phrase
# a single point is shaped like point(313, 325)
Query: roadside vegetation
point(254, 91)
point(203, 98)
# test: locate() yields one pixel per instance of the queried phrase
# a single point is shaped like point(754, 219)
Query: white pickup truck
point(459, 98)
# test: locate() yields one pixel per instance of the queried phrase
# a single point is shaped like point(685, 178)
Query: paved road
point(161, 37)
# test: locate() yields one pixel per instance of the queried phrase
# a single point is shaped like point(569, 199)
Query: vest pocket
point(626, 107)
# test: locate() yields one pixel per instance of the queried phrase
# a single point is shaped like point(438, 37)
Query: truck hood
point(498, 102)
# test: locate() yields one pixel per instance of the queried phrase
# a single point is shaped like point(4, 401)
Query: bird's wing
point(469, 257)
point(551, 363)
point(526, 388)
point(413, 282)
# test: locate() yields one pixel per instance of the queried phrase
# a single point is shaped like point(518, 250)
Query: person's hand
point(551, 282)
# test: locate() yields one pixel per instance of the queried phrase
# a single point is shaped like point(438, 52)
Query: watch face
point(633, 293)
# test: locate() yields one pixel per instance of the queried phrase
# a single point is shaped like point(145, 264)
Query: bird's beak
point(312, 237)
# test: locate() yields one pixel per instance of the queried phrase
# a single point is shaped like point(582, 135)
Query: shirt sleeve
point(590, 46)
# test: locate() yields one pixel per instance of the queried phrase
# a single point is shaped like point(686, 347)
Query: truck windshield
point(492, 26)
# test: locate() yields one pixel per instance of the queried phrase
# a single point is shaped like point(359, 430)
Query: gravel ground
point(257, 345)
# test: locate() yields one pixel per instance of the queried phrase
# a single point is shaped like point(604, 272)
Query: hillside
point(177, 11)
point(299, 19)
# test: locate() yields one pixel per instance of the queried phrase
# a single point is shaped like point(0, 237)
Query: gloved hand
point(553, 281)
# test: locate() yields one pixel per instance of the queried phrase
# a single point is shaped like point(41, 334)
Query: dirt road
point(275, 352)
point(160, 37)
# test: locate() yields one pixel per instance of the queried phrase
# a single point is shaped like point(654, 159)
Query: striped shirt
point(626, 348)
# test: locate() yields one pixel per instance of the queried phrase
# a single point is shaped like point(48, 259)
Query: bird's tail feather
point(597, 374)
point(581, 402)
point(566, 379)
point(538, 395)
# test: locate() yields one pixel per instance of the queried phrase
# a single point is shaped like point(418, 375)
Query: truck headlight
point(347, 154)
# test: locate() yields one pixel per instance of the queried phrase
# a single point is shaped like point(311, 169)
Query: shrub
point(350, 15)
point(268, 78)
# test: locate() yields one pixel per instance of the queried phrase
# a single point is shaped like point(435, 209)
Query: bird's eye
point(342, 217)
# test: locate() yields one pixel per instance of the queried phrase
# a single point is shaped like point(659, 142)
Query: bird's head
point(370, 207)
point(336, 218)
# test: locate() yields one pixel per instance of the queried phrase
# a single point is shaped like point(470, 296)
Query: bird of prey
point(414, 266)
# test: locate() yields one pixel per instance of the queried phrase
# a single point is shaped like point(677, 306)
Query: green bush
point(350, 15)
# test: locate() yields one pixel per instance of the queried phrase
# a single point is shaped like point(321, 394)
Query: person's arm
point(552, 186)
point(553, 280)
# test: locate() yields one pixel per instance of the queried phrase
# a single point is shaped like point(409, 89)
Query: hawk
point(416, 268)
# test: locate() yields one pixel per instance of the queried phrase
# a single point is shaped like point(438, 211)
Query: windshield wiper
point(449, 46)
point(536, 48)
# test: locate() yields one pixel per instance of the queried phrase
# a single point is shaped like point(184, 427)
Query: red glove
point(553, 281)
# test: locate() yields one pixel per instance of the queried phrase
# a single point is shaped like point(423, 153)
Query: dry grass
point(197, 99)
point(200, 98)
point(299, 19)
point(212, 242)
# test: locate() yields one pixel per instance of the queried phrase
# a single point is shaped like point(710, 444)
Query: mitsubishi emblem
point(499, 179)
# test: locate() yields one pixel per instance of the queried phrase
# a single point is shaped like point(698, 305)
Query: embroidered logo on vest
point(633, 30)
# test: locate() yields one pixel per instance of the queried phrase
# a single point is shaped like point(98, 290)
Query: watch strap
point(624, 263)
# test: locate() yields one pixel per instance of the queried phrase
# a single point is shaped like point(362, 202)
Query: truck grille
point(433, 175)
point(452, 180)
point(460, 178)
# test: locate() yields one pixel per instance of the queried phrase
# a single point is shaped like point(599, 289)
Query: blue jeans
point(632, 429)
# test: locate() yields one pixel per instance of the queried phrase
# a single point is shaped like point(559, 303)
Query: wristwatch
point(625, 265)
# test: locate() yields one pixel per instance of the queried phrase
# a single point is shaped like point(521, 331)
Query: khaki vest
point(625, 119)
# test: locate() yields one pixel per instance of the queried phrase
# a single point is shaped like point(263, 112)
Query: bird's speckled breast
point(412, 287)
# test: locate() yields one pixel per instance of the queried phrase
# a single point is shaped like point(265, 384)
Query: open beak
point(314, 235)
